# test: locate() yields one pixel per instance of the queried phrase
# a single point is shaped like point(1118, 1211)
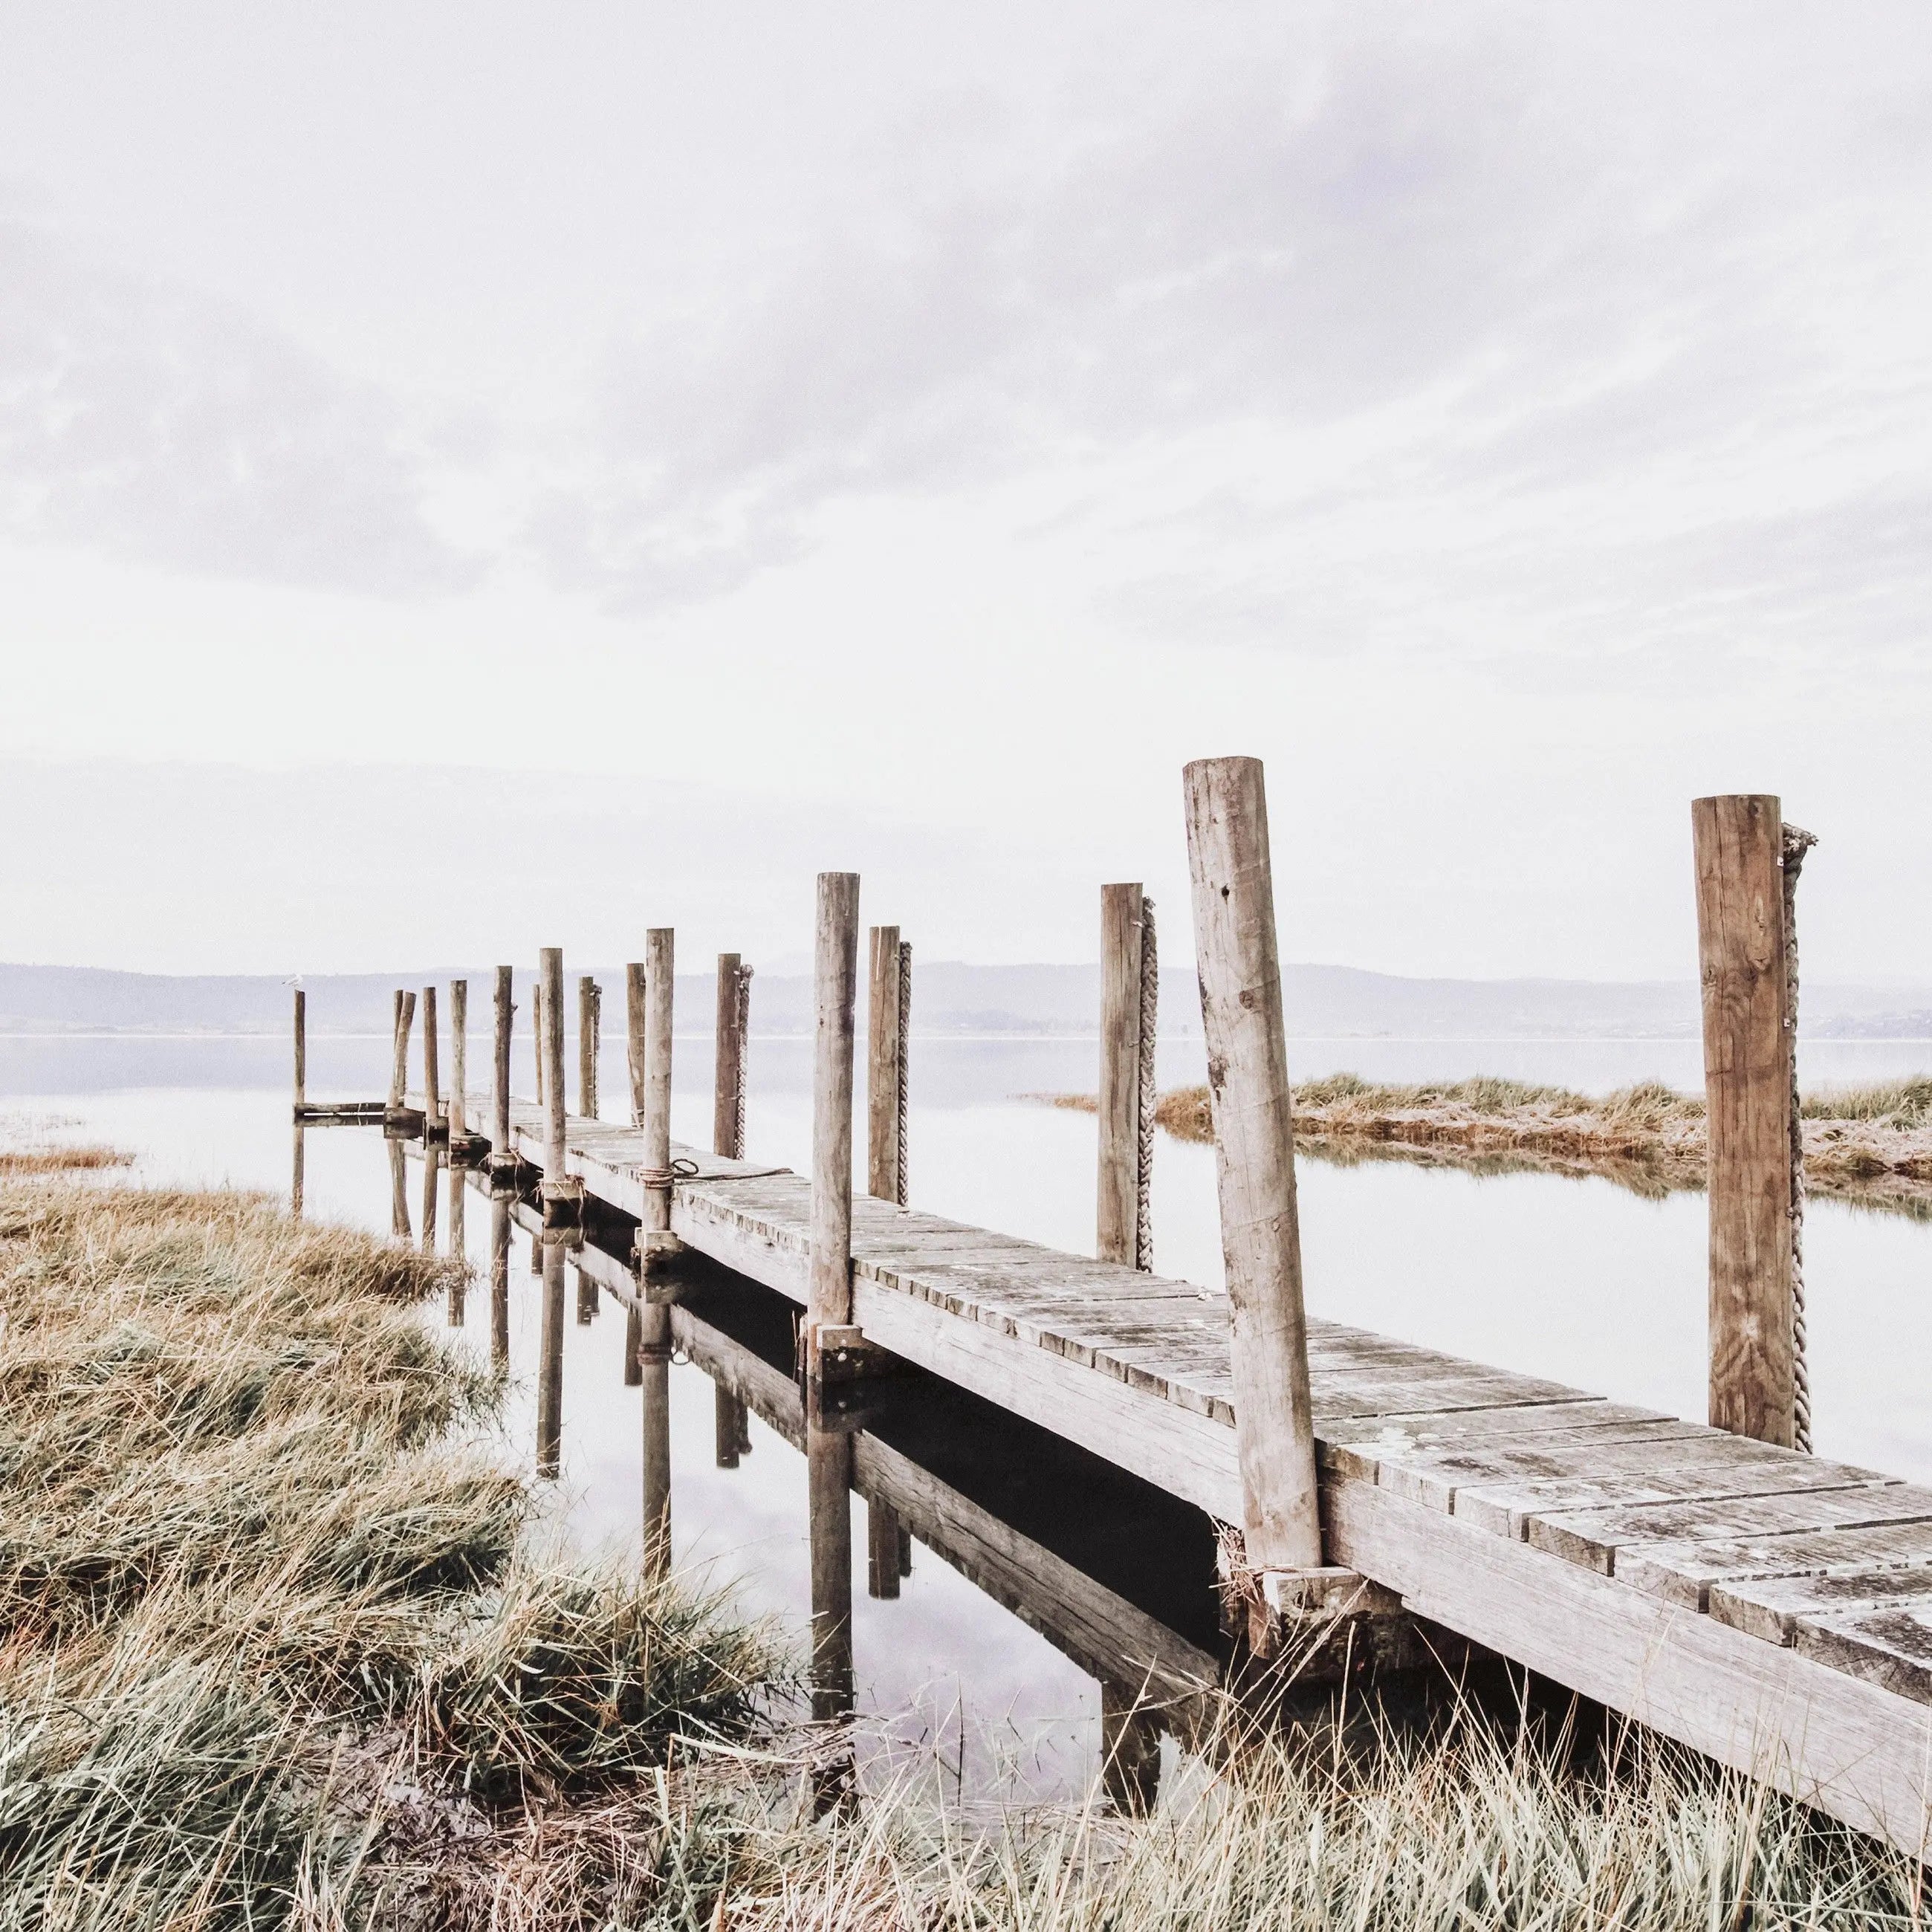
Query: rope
point(904, 1063)
point(1796, 842)
point(1144, 1152)
point(744, 1051)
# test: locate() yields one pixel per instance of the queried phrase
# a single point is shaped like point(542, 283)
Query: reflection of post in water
point(399, 1193)
point(634, 1340)
point(499, 1283)
point(549, 1376)
point(459, 1282)
point(295, 1179)
point(732, 1426)
point(828, 1455)
point(1129, 1749)
point(654, 1367)
point(586, 1298)
point(883, 1538)
point(432, 1170)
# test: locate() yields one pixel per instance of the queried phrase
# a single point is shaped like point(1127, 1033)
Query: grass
point(259, 1571)
point(16, 1161)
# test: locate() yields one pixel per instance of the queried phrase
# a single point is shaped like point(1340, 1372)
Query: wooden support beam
point(506, 1009)
point(1118, 1218)
point(727, 1125)
point(1247, 1080)
point(656, 1242)
point(589, 1038)
point(301, 1050)
point(459, 1059)
point(654, 1364)
point(836, 958)
point(882, 1070)
point(432, 1088)
point(633, 1036)
point(1737, 841)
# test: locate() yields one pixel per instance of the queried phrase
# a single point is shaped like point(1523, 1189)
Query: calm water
point(1577, 1280)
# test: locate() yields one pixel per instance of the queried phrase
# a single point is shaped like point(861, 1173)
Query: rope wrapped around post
point(904, 1061)
point(1796, 843)
point(1149, 1017)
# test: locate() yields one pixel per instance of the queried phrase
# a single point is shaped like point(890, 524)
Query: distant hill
point(949, 997)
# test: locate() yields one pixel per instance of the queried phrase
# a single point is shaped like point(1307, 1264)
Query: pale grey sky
point(473, 475)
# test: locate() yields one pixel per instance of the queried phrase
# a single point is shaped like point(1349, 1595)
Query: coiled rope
point(744, 1054)
point(1144, 1151)
point(904, 1064)
point(1796, 843)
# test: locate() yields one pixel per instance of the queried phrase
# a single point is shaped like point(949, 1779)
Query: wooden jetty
point(1766, 1606)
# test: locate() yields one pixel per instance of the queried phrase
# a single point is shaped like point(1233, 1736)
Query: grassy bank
point(273, 1646)
point(1871, 1144)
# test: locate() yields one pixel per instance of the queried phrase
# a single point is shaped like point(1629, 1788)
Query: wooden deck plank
point(1769, 1607)
point(1683, 1573)
point(1890, 1646)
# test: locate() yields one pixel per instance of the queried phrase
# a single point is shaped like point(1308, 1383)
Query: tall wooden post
point(728, 1124)
point(538, 1034)
point(550, 1372)
point(458, 1187)
point(885, 1072)
point(499, 1283)
point(589, 1038)
point(654, 1360)
point(1247, 1081)
point(551, 1047)
point(836, 975)
point(399, 1066)
point(654, 1236)
point(1741, 945)
point(505, 1015)
point(399, 1193)
point(459, 1061)
point(301, 1050)
point(1118, 1218)
point(432, 1089)
point(432, 1170)
point(828, 1456)
point(633, 1036)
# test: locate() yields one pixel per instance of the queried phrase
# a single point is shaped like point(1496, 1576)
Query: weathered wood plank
point(1683, 1573)
point(1890, 1646)
point(1770, 1606)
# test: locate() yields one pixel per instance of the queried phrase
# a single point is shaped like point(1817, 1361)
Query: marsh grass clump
point(252, 1574)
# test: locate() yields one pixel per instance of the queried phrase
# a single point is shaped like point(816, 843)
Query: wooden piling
point(399, 1192)
point(399, 1066)
point(499, 1283)
point(1247, 1078)
point(432, 1091)
point(589, 1038)
point(301, 1049)
point(459, 1060)
point(296, 1187)
point(835, 973)
point(1737, 841)
point(458, 1188)
point(654, 1241)
point(432, 1168)
point(1118, 1216)
point(506, 1009)
point(654, 1359)
point(550, 1372)
point(882, 1549)
point(828, 1456)
point(727, 1126)
point(538, 1033)
point(551, 994)
point(633, 1036)
point(884, 1073)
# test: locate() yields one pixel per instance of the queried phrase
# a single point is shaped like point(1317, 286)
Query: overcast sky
point(473, 476)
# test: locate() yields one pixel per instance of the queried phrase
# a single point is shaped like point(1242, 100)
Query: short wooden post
point(432, 1091)
point(1118, 1218)
point(499, 1283)
point(654, 1241)
point(836, 975)
point(301, 1049)
point(1247, 1079)
point(459, 1060)
point(728, 1119)
point(633, 1036)
point(729, 1437)
point(550, 1374)
point(882, 1549)
point(506, 1009)
point(589, 1038)
point(1738, 846)
point(399, 1067)
point(654, 1359)
point(828, 1455)
point(884, 1073)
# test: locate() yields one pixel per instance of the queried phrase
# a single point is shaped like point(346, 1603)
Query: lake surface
point(1577, 1280)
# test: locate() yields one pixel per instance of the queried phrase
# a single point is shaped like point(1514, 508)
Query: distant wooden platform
point(1771, 1609)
